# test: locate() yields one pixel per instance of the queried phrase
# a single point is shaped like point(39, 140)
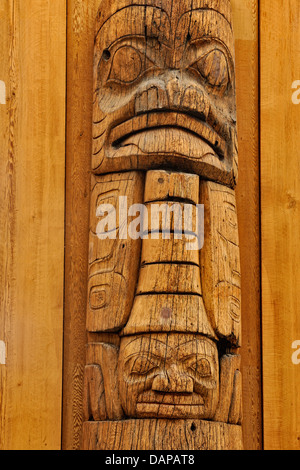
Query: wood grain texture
point(101, 384)
point(163, 98)
point(32, 222)
point(280, 193)
point(80, 41)
point(246, 27)
point(245, 19)
point(114, 256)
point(220, 261)
point(161, 434)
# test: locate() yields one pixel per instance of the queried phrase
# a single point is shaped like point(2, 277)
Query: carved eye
point(202, 367)
point(213, 67)
point(126, 65)
point(142, 366)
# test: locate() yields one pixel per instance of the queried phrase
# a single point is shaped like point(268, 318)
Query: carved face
point(164, 87)
point(168, 376)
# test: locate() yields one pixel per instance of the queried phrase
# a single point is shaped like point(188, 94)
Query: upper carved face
point(164, 87)
point(168, 376)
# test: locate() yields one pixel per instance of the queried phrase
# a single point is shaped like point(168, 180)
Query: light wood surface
point(80, 43)
point(161, 434)
point(81, 19)
point(245, 21)
point(33, 41)
point(280, 211)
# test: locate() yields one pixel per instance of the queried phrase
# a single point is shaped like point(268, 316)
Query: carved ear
point(94, 399)
point(101, 399)
point(230, 404)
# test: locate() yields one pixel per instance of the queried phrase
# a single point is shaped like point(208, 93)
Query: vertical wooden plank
point(7, 184)
point(81, 20)
point(280, 202)
point(80, 43)
point(248, 204)
point(32, 222)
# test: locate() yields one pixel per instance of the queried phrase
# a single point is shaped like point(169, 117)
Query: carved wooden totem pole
point(163, 316)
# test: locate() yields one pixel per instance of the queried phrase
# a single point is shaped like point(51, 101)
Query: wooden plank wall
point(47, 48)
point(32, 174)
point(280, 214)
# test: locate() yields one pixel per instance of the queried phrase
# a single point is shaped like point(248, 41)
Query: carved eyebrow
point(142, 354)
point(137, 38)
point(208, 9)
point(212, 34)
point(207, 347)
point(213, 41)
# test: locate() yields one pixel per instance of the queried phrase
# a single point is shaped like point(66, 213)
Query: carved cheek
point(209, 391)
point(132, 384)
point(194, 100)
point(113, 98)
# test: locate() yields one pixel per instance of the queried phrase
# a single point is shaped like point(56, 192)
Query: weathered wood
point(167, 313)
point(230, 403)
point(171, 278)
point(163, 185)
point(161, 434)
point(136, 77)
point(220, 261)
point(80, 21)
point(164, 106)
point(101, 388)
point(32, 192)
point(113, 262)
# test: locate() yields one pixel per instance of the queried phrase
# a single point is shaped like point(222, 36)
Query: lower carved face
point(168, 376)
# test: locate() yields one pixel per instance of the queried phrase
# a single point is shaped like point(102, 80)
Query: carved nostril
point(160, 383)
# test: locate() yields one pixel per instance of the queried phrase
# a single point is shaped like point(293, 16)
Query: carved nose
point(185, 95)
point(172, 381)
point(175, 89)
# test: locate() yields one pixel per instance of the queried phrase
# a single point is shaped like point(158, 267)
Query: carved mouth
point(168, 410)
point(176, 128)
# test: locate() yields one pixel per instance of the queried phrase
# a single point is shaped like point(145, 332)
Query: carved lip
point(157, 120)
point(171, 399)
